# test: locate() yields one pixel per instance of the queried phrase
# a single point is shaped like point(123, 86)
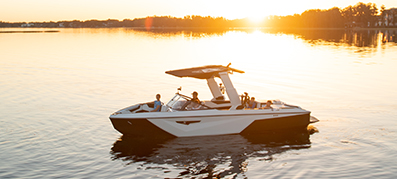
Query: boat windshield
point(178, 102)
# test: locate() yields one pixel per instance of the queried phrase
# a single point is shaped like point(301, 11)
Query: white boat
point(217, 116)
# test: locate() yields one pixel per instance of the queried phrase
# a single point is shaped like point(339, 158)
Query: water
point(58, 89)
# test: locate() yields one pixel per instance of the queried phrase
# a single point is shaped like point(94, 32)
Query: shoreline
point(29, 29)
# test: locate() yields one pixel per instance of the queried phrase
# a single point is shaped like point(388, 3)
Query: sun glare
point(256, 19)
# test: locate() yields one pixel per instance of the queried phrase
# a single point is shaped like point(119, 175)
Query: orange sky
point(51, 10)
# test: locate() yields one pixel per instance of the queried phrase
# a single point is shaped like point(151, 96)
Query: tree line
point(359, 15)
point(155, 21)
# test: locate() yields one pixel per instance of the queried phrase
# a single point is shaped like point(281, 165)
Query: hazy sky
point(56, 10)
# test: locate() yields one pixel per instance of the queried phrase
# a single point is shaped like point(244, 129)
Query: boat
point(216, 116)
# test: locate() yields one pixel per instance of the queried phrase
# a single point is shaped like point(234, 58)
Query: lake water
point(58, 89)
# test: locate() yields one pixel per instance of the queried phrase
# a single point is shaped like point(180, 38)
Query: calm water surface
point(57, 91)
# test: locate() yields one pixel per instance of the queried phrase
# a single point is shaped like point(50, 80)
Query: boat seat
point(221, 102)
point(214, 105)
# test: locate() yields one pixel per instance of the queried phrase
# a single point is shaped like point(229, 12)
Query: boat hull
point(289, 122)
point(140, 127)
point(194, 125)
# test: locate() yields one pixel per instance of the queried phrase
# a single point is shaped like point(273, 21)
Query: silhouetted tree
point(361, 14)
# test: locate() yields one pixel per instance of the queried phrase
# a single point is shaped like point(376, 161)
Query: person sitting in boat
point(157, 104)
point(195, 97)
point(252, 103)
point(268, 105)
point(194, 103)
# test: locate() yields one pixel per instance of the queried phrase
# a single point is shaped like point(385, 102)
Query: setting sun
point(256, 19)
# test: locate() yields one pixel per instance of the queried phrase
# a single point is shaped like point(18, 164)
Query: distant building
point(389, 17)
point(27, 25)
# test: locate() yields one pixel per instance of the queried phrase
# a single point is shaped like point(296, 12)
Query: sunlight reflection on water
point(58, 89)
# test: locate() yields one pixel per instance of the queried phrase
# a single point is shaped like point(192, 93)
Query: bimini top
point(204, 72)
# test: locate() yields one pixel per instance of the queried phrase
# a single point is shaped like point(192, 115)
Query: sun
point(255, 20)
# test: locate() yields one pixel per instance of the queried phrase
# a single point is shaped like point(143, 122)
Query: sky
point(57, 10)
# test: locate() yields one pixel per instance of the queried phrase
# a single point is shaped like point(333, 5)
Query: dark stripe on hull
point(264, 125)
point(139, 128)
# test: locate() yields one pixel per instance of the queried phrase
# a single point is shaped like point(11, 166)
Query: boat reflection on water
point(207, 156)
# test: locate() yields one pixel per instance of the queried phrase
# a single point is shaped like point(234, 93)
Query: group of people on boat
point(195, 103)
point(252, 104)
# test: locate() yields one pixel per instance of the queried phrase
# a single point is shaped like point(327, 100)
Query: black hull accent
point(139, 128)
point(282, 123)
